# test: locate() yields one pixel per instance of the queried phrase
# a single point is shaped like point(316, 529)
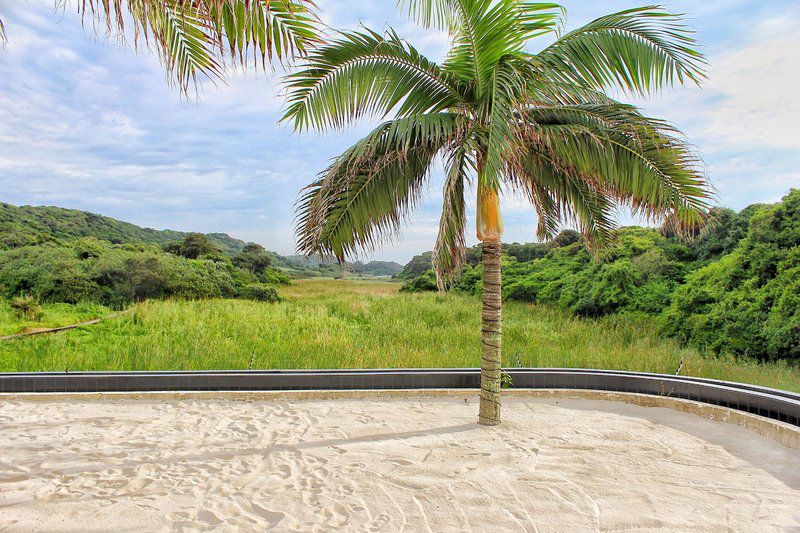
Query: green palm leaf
point(366, 73)
point(192, 37)
point(637, 160)
point(562, 195)
point(364, 195)
point(538, 124)
point(641, 50)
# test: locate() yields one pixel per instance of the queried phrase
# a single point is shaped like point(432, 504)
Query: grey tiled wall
point(776, 404)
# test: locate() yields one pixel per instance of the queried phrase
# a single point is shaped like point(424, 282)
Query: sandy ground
point(369, 465)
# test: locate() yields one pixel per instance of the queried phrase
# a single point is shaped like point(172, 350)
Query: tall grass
point(55, 315)
point(365, 324)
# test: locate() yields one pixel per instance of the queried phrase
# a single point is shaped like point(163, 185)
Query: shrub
point(260, 292)
point(116, 275)
point(747, 302)
point(27, 307)
point(423, 282)
point(253, 258)
point(274, 277)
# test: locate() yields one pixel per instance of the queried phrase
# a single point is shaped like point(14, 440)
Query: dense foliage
point(92, 270)
point(734, 288)
point(749, 301)
point(376, 268)
point(27, 225)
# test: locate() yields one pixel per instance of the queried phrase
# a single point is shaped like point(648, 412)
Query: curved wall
point(771, 403)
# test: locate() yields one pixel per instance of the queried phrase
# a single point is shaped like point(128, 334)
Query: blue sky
point(89, 124)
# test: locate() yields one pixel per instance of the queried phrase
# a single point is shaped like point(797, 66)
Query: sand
point(368, 465)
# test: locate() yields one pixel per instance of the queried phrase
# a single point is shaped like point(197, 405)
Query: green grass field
point(55, 315)
point(359, 324)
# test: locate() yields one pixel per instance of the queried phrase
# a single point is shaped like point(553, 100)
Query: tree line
point(93, 270)
point(733, 288)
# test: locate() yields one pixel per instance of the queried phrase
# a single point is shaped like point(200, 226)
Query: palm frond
point(185, 48)
point(641, 50)
point(537, 18)
point(509, 90)
point(364, 73)
point(364, 195)
point(561, 196)
point(638, 161)
point(488, 31)
point(538, 123)
point(192, 37)
point(281, 29)
point(450, 248)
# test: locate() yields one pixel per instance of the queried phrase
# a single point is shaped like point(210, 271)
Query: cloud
point(757, 89)
point(90, 124)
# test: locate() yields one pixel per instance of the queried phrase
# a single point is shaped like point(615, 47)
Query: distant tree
point(172, 247)
point(474, 255)
point(524, 252)
point(565, 238)
point(253, 258)
point(419, 264)
point(424, 282)
point(196, 245)
point(721, 235)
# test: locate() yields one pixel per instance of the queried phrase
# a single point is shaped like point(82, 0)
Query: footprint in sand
point(273, 518)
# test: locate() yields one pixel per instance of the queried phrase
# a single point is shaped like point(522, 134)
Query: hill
point(29, 225)
point(382, 268)
point(34, 225)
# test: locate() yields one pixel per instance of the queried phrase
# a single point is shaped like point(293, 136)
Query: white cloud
point(757, 88)
point(90, 124)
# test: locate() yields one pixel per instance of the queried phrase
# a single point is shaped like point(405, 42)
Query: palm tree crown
point(533, 123)
point(193, 37)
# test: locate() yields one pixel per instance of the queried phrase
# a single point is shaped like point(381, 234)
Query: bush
point(275, 277)
point(423, 282)
point(116, 275)
point(260, 292)
point(734, 289)
point(253, 258)
point(747, 303)
point(27, 307)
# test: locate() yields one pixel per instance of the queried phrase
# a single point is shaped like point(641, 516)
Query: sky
point(89, 123)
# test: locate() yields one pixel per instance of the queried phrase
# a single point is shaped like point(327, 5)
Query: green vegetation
point(27, 225)
point(731, 290)
point(749, 302)
point(542, 125)
point(362, 324)
point(90, 270)
point(49, 316)
point(196, 39)
point(31, 226)
point(27, 308)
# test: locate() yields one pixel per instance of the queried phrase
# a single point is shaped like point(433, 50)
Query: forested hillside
point(55, 255)
point(31, 226)
point(734, 288)
point(28, 225)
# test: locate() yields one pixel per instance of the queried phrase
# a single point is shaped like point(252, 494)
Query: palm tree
point(505, 118)
point(193, 37)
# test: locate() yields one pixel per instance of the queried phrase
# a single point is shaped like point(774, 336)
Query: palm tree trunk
point(491, 335)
